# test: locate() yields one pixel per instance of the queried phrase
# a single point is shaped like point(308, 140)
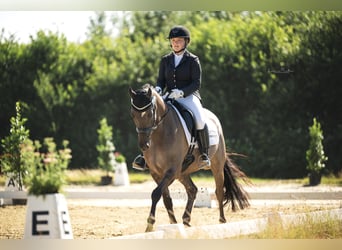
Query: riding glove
point(176, 93)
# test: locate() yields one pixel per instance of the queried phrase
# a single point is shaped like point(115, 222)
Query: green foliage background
point(67, 87)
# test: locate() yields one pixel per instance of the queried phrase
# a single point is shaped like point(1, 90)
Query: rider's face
point(177, 43)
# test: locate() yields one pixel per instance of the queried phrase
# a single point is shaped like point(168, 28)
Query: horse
point(164, 146)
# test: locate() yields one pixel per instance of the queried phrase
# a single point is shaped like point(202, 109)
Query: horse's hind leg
point(219, 191)
point(191, 191)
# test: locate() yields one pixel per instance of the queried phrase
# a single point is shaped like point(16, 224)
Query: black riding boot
point(203, 144)
point(139, 163)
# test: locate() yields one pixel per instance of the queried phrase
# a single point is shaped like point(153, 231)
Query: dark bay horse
point(163, 143)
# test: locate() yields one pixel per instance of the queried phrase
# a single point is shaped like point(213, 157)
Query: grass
point(326, 180)
point(93, 177)
point(84, 176)
point(326, 228)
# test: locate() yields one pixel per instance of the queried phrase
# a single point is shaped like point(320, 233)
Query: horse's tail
point(234, 192)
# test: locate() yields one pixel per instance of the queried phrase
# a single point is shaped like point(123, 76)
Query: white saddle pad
point(213, 133)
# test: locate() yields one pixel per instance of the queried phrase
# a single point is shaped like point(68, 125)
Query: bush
point(315, 154)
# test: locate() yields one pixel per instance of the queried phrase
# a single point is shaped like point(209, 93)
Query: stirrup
point(204, 162)
point(139, 163)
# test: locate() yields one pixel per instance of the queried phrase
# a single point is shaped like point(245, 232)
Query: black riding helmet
point(179, 31)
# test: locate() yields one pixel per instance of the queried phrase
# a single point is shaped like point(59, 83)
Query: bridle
point(151, 105)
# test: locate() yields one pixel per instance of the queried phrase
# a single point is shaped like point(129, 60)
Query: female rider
point(180, 75)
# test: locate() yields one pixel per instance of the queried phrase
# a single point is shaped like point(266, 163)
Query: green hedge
point(66, 88)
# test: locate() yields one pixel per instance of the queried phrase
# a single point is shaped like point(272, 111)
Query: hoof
point(187, 224)
point(223, 220)
point(149, 228)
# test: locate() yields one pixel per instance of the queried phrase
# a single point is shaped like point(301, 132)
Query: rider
point(180, 75)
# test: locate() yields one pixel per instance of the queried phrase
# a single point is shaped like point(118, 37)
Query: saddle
point(188, 117)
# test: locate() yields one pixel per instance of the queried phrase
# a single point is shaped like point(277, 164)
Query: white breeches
point(194, 104)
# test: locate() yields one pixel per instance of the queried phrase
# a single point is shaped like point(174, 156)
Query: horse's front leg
point(167, 201)
point(169, 206)
point(191, 191)
point(156, 195)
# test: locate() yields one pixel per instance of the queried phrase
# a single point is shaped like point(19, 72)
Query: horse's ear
point(132, 93)
point(149, 93)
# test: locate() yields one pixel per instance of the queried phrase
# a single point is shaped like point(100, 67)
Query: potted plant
point(105, 148)
point(47, 214)
point(121, 172)
point(11, 162)
point(315, 154)
point(46, 166)
point(119, 158)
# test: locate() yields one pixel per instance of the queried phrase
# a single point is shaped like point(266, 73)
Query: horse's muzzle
point(144, 137)
point(144, 145)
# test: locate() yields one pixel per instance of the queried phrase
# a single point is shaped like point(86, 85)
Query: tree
point(318, 91)
point(11, 161)
point(150, 23)
point(97, 26)
point(13, 80)
point(105, 146)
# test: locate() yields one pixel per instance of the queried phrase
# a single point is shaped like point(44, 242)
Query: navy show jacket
point(186, 76)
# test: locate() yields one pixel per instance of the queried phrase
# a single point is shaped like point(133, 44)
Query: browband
point(153, 101)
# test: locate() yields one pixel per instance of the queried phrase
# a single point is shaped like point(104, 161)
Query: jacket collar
point(184, 58)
